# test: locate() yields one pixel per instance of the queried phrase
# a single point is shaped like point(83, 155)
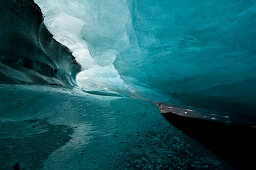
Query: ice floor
point(51, 127)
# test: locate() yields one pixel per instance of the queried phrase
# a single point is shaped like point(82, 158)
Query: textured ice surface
point(161, 50)
point(95, 31)
point(58, 128)
point(186, 47)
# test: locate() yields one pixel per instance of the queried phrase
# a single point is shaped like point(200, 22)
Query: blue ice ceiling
point(192, 53)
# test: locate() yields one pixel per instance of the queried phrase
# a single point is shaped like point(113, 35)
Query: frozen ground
point(51, 127)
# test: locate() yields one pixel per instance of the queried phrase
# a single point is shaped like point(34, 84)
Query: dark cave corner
point(233, 142)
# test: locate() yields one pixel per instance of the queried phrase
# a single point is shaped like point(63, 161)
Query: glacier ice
point(168, 51)
point(198, 55)
point(95, 32)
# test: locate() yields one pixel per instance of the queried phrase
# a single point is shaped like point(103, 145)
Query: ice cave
point(127, 84)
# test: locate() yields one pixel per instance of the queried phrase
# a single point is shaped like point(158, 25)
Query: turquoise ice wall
point(190, 53)
point(201, 52)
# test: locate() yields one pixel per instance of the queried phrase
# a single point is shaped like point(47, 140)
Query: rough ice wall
point(200, 52)
point(95, 31)
point(191, 45)
point(192, 51)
